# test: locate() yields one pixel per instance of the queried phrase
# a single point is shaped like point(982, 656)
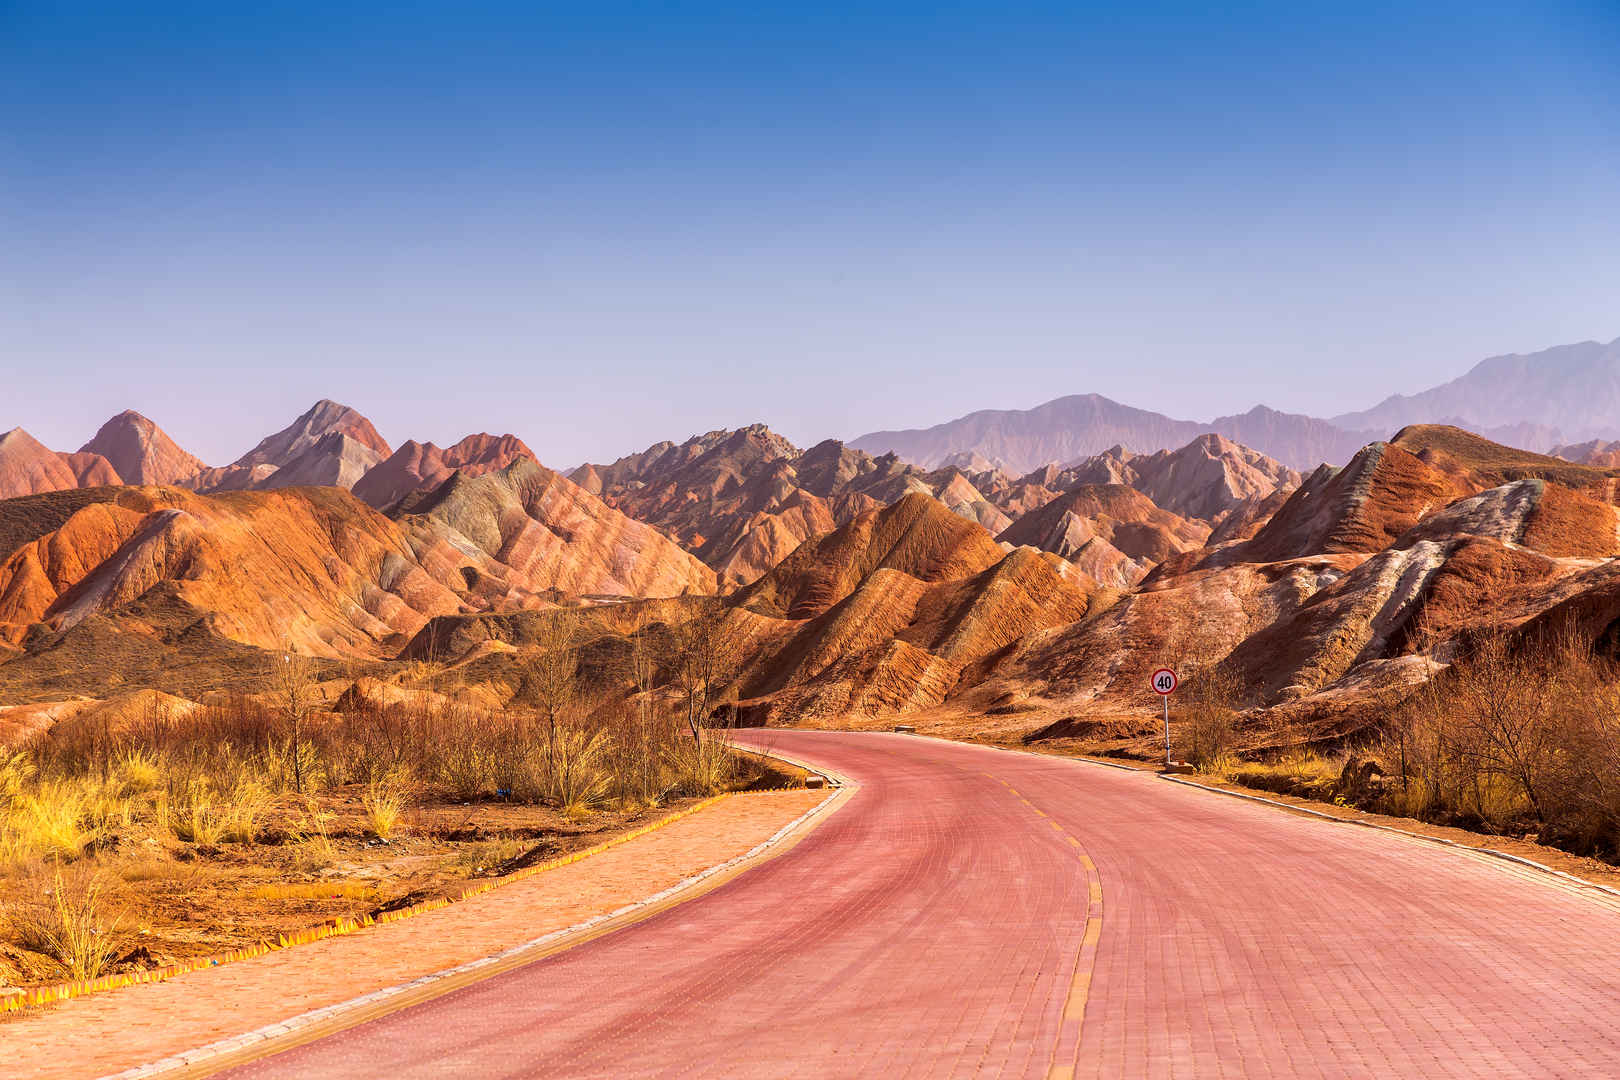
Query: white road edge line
point(315, 1016)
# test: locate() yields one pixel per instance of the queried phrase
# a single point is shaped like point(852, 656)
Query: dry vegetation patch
point(141, 840)
point(1518, 738)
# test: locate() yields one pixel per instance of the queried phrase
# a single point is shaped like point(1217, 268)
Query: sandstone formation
point(328, 444)
point(28, 468)
point(323, 418)
point(524, 529)
point(313, 570)
point(336, 459)
point(1599, 452)
point(845, 586)
point(896, 644)
point(743, 500)
point(1113, 533)
point(917, 536)
point(140, 452)
point(1208, 477)
point(423, 466)
point(90, 470)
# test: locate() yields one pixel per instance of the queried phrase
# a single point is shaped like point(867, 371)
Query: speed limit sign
point(1163, 683)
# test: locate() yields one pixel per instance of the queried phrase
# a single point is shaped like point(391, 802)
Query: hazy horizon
point(599, 230)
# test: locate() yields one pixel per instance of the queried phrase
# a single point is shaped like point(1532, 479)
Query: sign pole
point(1163, 682)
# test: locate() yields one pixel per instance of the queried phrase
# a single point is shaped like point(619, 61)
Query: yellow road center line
point(1076, 1007)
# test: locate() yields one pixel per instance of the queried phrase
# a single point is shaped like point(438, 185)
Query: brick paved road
point(976, 913)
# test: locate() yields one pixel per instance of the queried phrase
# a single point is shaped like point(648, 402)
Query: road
point(970, 912)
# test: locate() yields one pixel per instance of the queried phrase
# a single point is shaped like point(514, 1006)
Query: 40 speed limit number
point(1163, 683)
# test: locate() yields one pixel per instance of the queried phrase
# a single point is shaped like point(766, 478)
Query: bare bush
point(1519, 733)
point(1206, 718)
point(294, 680)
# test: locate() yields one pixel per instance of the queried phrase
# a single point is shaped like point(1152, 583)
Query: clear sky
point(602, 224)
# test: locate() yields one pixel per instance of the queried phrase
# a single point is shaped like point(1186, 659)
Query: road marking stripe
point(1076, 1008)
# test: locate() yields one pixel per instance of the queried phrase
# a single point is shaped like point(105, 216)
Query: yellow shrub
point(384, 805)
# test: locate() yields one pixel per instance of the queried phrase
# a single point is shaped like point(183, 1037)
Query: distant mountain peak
point(1568, 393)
point(322, 418)
point(141, 452)
point(1082, 426)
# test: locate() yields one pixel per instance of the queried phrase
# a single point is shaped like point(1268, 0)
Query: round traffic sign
point(1163, 682)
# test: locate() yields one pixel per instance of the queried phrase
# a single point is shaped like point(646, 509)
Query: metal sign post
point(1164, 684)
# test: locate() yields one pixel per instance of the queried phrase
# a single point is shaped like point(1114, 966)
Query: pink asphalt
point(937, 926)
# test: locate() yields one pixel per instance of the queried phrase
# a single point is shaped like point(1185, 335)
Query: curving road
point(970, 912)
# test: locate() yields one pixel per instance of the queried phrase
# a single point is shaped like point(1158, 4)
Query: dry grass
point(248, 802)
point(384, 805)
point(192, 815)
point(1299, 765)
point(315, 890)
point(578, 779)
point(71, 925)
point(705, 767)
point(1516, 736)
point(55, 820)
point(487, 856)
point(175, 814)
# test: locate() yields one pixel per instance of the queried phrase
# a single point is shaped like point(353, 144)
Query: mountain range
point(1561, 395)
point(852, 586)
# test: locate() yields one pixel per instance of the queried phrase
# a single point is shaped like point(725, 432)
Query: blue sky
point(604, 224)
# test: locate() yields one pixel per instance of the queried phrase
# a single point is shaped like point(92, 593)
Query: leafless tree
point(705, 659)
point(294, 679)
point(553, 677)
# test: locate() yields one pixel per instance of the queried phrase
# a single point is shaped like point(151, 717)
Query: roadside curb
point(1520, 860)
point(331, 1018)
point(835, 780)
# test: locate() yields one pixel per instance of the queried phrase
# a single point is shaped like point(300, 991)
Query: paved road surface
point(976, 913)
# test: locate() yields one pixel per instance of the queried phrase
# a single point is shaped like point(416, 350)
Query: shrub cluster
point(1516, 736)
